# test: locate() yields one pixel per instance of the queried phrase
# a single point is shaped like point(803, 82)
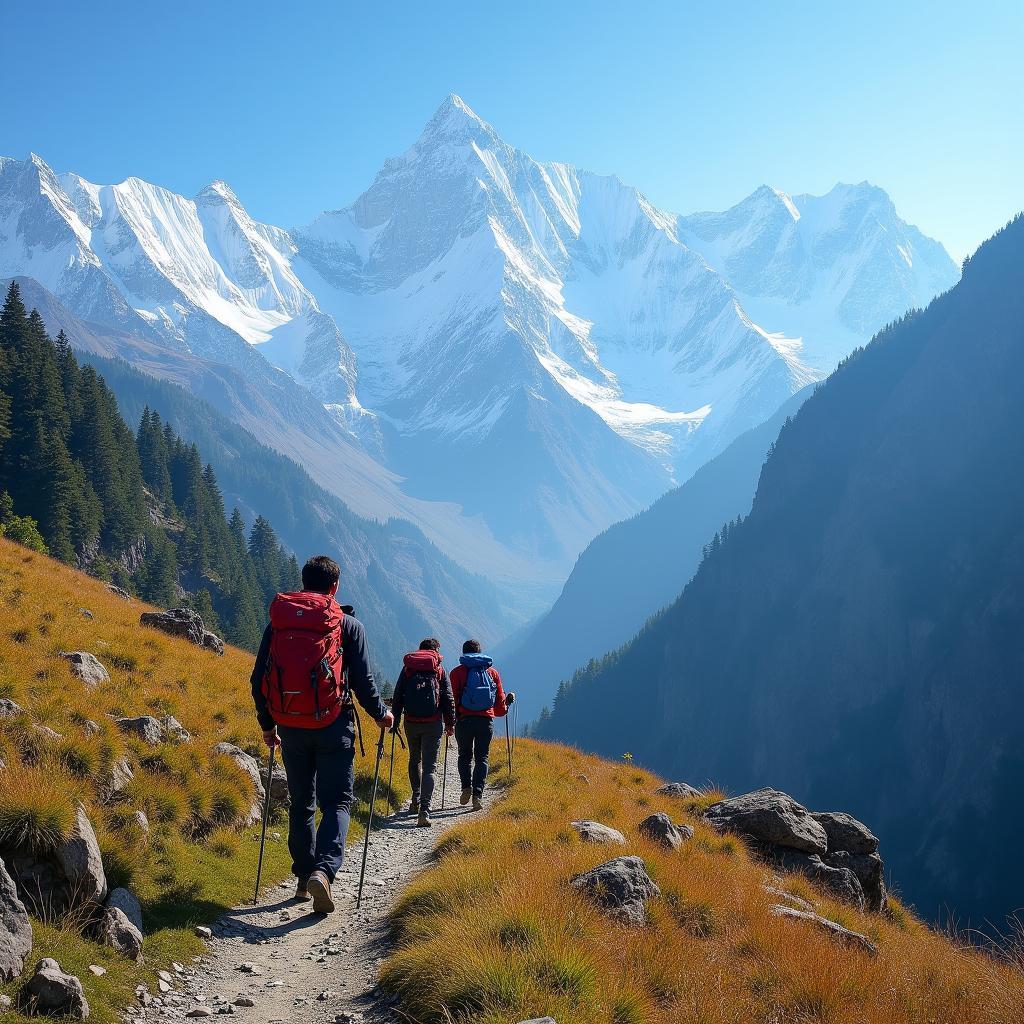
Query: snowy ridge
point(476, 310)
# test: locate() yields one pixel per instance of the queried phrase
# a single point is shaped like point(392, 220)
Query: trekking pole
point(508, 744)
point(391, 770)
point(266, 818)
point(369, 820)
point(444, 770)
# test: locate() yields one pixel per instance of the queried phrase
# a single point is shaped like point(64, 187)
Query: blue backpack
point(480, 691)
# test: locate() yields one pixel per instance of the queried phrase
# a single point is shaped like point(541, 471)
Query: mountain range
point(510, 354)
point(857, 637)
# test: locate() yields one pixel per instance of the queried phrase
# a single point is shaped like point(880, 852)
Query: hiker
point(424, 693)
point(311, 661)
point(479, 698)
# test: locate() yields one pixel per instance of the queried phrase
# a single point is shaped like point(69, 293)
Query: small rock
point(53, 993)
point(85, 613)
point(97, 970)
point(595, 832)
point(837, 931)
point(116, 931)
point(538, 1020)
point(163, 986)
point(200, 1011)
point(146, 727)
point(285, 915)
point(583, 778)
point(8, 709)
point(245, 1001)
point(91, 728)
point(276, 983)
point(119, 592)
point(128, 903)
point(658, 828)
point(86, 667)
point(139, 819)
point(165, 976)
point(5, 1002)
point(621, 887)
point(787, 897)
point(47, 733)
point(678, 789)
point(203, 932)
point(328, 993)
point(174, 730)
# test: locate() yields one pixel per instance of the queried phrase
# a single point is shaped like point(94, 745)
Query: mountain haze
point(857, 638)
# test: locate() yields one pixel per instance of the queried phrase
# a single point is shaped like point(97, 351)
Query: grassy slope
point(193, 864)
point(495, 934)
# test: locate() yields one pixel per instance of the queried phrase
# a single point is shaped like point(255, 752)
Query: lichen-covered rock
point(115, 781)
point(86, 667)
point(837, 931)
point(146, 727)
point(115, 930)
point(15, 929)
point(678, 789)
point(8, 709)
point(80, 860)
point(185, 623)
point(251, 767)
point(53, 993)
point(770, 816)
point(595, 832)
point(621, 887)
point(659, 828)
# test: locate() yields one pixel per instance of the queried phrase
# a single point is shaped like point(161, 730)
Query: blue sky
point(296, 105)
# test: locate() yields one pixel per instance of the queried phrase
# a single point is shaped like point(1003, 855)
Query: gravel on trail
point(278, 962)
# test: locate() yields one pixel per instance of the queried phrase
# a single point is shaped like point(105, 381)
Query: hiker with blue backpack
point(423, 694)
point(479, 699)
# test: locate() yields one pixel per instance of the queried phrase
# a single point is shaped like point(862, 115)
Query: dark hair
point(430, 644)
point(471, 647)
point(320, 574)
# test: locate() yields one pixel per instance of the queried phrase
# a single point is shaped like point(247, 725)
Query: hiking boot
point(466, 794)
point(414, 807)
point(301, 892)
point(478, 804)
point(423, 821)
point(319, 887)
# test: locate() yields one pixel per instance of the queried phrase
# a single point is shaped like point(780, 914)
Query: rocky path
point(279, 962)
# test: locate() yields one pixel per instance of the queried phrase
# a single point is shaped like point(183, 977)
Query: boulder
point(787, 897)
point(251, 767)
point(837, 931)
point(53, 993)
point(44, 732)
point(846, 833)
point(279, 795)
point(128, 903)
point(91, 728)
point(119, 592)
point(146, 727)
point(174, 730)
point(658, 828)
point(139, 818)
point(186, 624)
point(621, 887)
point(8, 709)
point(870, 874)
point(115, 781)
point(80, 861)
point(679, 789)
point(595, 832)
point(770, 817)
point(115, 930)
point(86, 667)
point(839, 881)
point(15, 929)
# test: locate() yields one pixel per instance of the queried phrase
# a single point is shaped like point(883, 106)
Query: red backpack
point(305, 682)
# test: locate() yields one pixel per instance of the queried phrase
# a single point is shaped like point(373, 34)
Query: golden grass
point(193, 864)
point(494, 933)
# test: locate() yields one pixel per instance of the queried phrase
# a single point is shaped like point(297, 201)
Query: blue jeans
point(320, 765)
point(473, 734)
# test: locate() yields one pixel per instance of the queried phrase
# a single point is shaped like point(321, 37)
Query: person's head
point(430, 644)
point(320, 575)
point(471, 647)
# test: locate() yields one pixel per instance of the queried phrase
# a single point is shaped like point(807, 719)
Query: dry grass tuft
point(494, 933)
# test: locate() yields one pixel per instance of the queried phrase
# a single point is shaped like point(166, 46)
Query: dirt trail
point(295, 965)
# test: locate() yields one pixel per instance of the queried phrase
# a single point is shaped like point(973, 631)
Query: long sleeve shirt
point(500, 709)
point(447, 711)
point(355, 659)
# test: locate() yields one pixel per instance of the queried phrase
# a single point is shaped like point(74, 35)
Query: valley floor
point(311, 967)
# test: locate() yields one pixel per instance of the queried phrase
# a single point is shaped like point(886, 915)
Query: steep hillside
point(709, 947)
point(636, 567)
point(858, 638)
point(169, 816)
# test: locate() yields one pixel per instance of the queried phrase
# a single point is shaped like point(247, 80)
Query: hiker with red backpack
point(479, 699)
point(424, 694)
point(312, 660)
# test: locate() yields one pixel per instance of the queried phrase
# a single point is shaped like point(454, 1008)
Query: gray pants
point(424, 745)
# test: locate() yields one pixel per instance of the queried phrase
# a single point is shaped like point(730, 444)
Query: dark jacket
point(500, 709)
point(357, 667)
point(447, 711)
